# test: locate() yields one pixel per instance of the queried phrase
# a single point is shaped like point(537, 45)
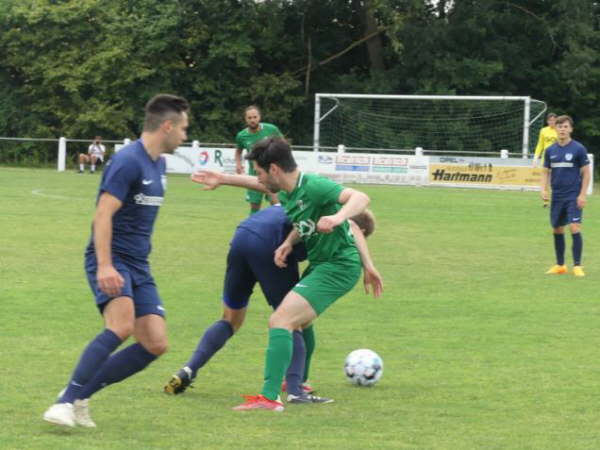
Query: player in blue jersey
point(116, 262)
point(250, 260)
point(566, 166)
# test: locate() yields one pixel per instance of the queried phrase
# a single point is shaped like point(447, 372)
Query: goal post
point(436, 123)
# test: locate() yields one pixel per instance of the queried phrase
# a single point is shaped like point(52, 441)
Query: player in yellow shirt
point(548, 136)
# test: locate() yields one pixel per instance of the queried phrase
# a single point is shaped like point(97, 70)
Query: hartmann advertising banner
point(502, 173)
point(448, 171)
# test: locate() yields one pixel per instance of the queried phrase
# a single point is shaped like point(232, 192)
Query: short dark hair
point(163, 107)
point(248, 108)
point(365, 221)
point(564, 118)
point(274, 150)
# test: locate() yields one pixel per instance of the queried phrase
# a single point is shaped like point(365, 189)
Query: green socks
point(278, 357)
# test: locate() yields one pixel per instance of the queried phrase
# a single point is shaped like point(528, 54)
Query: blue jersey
point(139, 182)
point(565, 164)
point(272, 226)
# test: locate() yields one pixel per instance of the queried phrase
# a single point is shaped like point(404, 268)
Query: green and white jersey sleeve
point(314, 197)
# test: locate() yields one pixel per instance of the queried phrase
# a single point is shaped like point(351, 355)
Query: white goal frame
point(527, 120)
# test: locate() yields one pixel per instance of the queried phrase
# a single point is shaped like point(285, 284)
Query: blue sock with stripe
point(92, 359)
point(119, 366)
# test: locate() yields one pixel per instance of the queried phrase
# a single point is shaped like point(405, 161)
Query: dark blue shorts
point(250, 260)
point(564, 212)
point(139, 286)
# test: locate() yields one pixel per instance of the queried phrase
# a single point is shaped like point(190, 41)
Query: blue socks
point(309, 342)
point(559, 248)
point(119, 366)
point(577, 248)
point(213, 339)
point(92, 358)
point(295, 373)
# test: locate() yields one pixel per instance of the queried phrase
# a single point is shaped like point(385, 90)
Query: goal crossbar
point(527, 121)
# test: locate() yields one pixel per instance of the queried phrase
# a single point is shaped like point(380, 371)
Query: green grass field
point(481, 349)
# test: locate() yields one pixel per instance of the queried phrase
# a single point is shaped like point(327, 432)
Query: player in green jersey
point(245, 139)
point(318, 209)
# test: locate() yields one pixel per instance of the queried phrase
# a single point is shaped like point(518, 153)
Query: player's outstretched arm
point(212, 180)
point(354, 202)
point(109, 280)
point(372, 277)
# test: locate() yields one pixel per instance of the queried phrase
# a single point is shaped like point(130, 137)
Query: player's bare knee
point(158, 347)
point(235, 318)
point(281, 321)
point(123, 330)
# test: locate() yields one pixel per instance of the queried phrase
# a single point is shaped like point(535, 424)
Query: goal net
point(453, 124)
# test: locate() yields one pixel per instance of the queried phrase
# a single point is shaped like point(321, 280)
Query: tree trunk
point(374, 45)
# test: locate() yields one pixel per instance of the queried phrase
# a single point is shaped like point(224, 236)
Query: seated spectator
point(94, 154)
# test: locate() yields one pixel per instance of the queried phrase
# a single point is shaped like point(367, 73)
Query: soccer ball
point(363, 367)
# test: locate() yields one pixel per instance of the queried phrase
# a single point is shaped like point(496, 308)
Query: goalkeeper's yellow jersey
point(547, 137)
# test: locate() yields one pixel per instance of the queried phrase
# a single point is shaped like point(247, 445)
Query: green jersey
point(314, 197)
point(245, 139)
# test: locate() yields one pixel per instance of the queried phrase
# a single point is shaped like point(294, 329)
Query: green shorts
point(324, 283)
point(256, 197)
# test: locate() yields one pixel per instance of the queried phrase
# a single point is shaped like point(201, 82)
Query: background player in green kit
point(319, 209)
point(245, 139)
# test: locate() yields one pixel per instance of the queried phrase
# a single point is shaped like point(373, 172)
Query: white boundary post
point(316, 125)
point(62, 154)
point(526, 115)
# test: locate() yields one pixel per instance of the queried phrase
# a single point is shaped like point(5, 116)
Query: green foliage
point(86, 67)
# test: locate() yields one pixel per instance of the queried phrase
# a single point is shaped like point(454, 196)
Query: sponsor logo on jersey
point(148, 200)
point(305, 228)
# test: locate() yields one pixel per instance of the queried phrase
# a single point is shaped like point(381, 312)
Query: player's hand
point(109, 280)
point(281, 254)
point(544, 196)
point(535, 163)
point(374, 280)
point(211, 180)
point(581, 199)
point(326, 224)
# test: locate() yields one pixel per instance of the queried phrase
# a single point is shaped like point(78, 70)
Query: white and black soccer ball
point(363, 367)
